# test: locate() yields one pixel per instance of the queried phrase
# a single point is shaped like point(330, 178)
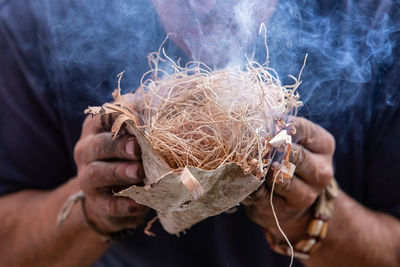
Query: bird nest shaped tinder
point(207, 137)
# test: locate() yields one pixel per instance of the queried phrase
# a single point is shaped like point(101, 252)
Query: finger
point(113, 213)
point(127, 221)
point(116, 206)
point(102, 147)
point(107, 121)
point(118, 223)
point(313, 137)
point(91, 125)
point(295, 192)
point(314, 169)
point(261, 198)
point(100, 174)
point(261, 210)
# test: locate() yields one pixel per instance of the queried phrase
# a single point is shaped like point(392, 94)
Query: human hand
point(293, 199)
point(106, 166)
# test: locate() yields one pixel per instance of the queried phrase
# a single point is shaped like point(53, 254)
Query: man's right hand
point(106, 166)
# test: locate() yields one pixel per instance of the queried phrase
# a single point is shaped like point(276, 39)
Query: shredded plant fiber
point(203, 118)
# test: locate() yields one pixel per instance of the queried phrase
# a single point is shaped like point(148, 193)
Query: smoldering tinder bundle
point(203, 118)
point(207, 137)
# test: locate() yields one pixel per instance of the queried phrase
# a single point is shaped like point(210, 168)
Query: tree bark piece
point(167, 191)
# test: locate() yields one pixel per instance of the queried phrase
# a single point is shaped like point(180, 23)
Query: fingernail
point(131, 171)
point(129, 147)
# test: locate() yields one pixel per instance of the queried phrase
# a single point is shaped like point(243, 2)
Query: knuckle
point(87, 122)
point(300, 156)
point(304, 127)
point(89, 125)
point(331, 144)
point(100, 146)
point(78, 152)
point(325, 174)
point(77, 155)
point(282, 208)
point(115, 171)
point(118, 171)
point(90, 171)
point(94, 171)
point(111, 207)
point(309, 198)
point(97, 147)
point(86, 180)
point(283, 187)
point(309, 137)
point(299, 124)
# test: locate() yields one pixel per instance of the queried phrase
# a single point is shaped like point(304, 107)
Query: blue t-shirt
point(58, 58)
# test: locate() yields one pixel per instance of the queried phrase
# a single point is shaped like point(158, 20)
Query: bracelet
point(106, 237)
point(316, 229)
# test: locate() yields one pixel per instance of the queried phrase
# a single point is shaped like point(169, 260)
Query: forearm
point(358, 236)
point(29, 235)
